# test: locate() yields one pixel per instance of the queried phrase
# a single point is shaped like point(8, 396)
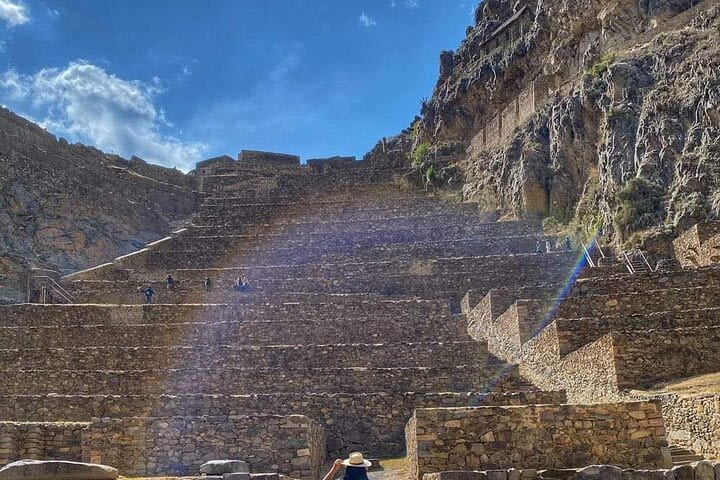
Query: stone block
point(236, 476)
point(599, 472)
point(703, 470)
point(56, 470)
point(456, 475)
point(683, 472)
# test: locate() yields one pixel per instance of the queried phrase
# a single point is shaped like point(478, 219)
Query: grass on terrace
point(709, 383)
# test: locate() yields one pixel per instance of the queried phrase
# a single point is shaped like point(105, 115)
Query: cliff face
point(560, 106)
point(66, 207)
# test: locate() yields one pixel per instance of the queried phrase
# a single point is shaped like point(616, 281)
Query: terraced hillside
point(352, 321)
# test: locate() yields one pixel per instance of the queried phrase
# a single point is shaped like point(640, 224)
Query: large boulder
point(56, 470)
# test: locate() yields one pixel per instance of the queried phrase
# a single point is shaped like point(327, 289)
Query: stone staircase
point(684, 456)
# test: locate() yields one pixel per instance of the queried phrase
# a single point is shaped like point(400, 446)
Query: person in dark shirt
point(149, 294)
point(355, 468)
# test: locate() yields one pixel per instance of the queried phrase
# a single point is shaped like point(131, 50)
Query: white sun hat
point(356, 459)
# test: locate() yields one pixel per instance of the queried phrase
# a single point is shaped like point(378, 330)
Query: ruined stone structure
point(378, 319)
point(352, 323)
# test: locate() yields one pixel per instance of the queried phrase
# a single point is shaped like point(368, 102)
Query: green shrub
point(641, 205)
point(602, 65)
point(430, 174)
point(420, 154)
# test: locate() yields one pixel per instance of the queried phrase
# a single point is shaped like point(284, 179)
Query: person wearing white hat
point(355, 467)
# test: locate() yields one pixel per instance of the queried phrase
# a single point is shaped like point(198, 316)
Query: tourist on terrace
point(242, 284)
point(568, 245)
point(355, 468)
point(208, 284)
point(548, 246)
point(149, 294)
point(538, 247)
point(170, 281)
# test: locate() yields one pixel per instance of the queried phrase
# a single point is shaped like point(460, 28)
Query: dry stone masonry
point(351, 323)
point(378, 319)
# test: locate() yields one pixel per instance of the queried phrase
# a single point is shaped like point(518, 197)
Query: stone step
point(383, 355)
point(234, 380)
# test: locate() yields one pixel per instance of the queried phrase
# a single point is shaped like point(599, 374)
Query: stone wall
point(699, 246)
point(635, 303)
point(517, 112)
point(340, 355)
point(702, 470)
point(482, 309)
point(293, 445)
point(576, 332)
point(254, 156)
point(330, 163)
point(644, 281)
point(371, 422)
point(258, 324)
point(587, 374)
point(643, 359)
point(40, 441)
point(244, 380)
point(536, 436)
point(693, 422)
point(517, 325)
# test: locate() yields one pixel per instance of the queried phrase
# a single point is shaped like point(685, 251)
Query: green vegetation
point(429, 175)
point(420, 154)
point(602, 65)
point(641, 206)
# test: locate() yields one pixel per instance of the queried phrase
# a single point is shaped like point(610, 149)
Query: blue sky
point(176, 81)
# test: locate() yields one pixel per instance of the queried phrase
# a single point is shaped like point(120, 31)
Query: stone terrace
point(611, 336)
point(351, 323)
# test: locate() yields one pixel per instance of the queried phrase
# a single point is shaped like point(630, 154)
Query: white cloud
point(366, 20)
point(85, 102)
point(14, 13)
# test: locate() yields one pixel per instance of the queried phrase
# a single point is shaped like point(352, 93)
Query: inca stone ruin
point(474, 297)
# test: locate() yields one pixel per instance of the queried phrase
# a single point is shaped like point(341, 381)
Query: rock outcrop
point(65, 207)
point(558, 105)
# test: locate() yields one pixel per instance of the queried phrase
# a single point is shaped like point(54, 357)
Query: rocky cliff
point(586, 112)
point(66, 207)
